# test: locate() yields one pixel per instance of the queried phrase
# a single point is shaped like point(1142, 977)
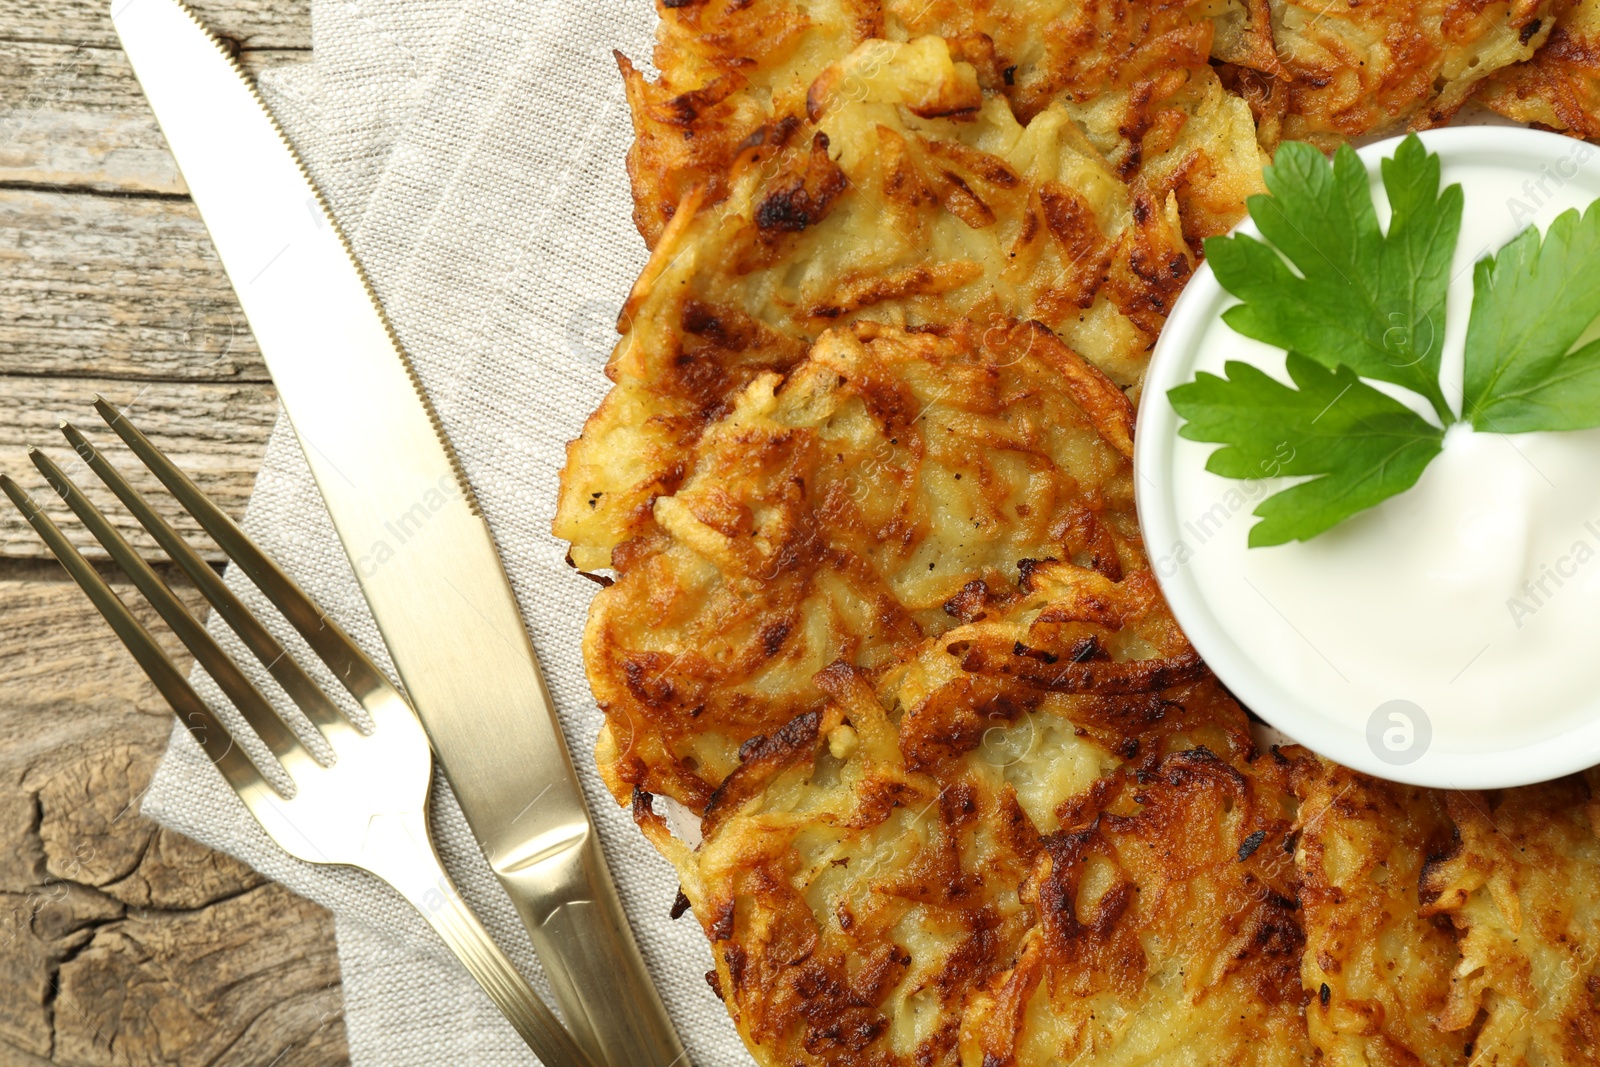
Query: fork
point(368, 808)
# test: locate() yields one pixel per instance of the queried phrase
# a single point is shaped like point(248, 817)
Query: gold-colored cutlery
point(410, 523)
point(366, 809)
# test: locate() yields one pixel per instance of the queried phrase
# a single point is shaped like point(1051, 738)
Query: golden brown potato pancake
point(1347, 70)
point(890, 487)
point(1560, 86)
point(878, 630)
point(1377, 967)
point(1523, 890)
point(1044, 838)
point(863, 208)
point(739, 73)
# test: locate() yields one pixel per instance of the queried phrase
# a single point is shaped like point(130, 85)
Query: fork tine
point(217, 663)
point(190, 709)
point(327, 639)
point(305, 692)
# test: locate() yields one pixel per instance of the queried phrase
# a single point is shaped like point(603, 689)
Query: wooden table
point(123, 944)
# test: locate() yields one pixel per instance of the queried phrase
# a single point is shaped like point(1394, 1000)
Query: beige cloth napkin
point(475, 155)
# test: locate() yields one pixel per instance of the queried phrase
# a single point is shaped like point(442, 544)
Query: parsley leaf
point(1360, 445)
point(1372, 301)
point(1347, 302)
point(1531, 303)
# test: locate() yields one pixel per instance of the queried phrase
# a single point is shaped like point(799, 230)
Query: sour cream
point(1449, 636)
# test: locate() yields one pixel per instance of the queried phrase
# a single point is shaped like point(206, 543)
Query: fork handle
point(399, 850)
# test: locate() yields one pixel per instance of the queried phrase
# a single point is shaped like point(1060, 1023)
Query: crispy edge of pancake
point(1523, 890)
point(1559, 87)
point(1376, 968)
point(1343, 72)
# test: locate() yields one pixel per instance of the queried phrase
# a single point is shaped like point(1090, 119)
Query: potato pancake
point(743, 74)
point(1344, 70)
point(895, 484)
point(885, 672)
point(1523, 891)
point(1560, 86)
point(1040, 839)
point(860, 207)
point(1377, 966)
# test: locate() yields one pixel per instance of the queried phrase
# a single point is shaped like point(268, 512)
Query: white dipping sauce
point(1474, 595)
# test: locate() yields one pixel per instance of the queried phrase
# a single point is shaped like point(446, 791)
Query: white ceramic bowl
point(1500, 158)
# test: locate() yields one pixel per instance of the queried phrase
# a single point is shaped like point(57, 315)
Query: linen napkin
point(474, 153)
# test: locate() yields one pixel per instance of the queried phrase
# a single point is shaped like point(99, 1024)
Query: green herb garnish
point(1530, 304)
point(1348, 301)
point(1362, 446)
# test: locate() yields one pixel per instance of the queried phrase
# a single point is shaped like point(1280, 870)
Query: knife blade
point(409, 521)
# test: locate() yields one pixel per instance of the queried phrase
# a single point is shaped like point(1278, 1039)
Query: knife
point(409, 522)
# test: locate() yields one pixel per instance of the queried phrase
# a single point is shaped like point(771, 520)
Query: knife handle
point(582, 937)
point(400, 850)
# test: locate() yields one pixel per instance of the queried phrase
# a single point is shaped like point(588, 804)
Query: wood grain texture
point(100, 286)
point(216, 432)
point(120, 942)
point(73, 117)
point(248, 23)
point(212, 976)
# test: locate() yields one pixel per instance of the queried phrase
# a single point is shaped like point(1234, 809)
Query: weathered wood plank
point(11, 1056)
point(250, 23)
point(74, 116)
point(121, 942)
point(204, 988)
point(227, 960)
point(216, 432)
point(63, 665)
point(116, 287)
